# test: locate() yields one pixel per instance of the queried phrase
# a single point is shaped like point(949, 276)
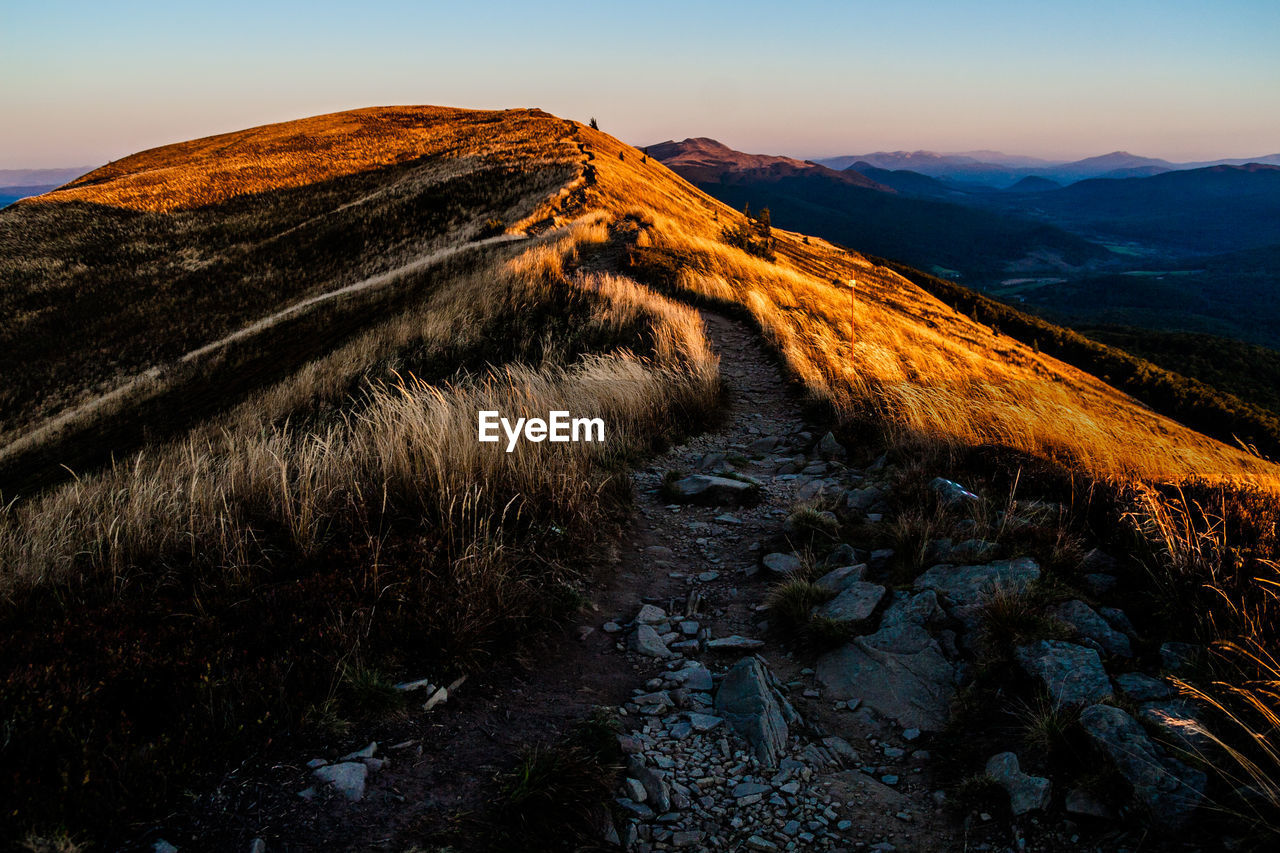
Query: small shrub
point(492, 228)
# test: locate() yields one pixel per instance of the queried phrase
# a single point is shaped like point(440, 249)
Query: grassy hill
point(267, 564)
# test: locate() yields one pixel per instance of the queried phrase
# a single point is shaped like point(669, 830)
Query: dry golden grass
point(310, 150)
point(410, 439)
point(911, 363)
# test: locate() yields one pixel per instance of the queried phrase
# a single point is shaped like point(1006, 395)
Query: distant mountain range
point(897, 214)
point(995, 169)
point(22, 183)
point(1185, 249)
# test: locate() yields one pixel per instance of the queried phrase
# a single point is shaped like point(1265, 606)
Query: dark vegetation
point(1244, 370)
point(753, 235)
point(1231, 295)
point(113, 274)
point(1194, 211)
point(1191, 402)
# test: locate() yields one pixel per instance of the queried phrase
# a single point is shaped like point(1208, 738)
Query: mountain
point(1034, 184)
point(8, 195)
point(998, 170)
point(41, 177)
point(1211, 210)
point(255, 544)
point(23, 183)
point(706, 159)
point(906, 181)
point(1116, 163)
point(855, 209)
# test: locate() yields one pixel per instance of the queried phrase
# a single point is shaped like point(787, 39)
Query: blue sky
point(81, 83)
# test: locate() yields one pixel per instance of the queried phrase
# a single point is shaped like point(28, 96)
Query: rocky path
point(734, 744)
point(733, 741)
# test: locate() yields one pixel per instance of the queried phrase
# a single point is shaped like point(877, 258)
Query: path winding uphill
point(769, 760)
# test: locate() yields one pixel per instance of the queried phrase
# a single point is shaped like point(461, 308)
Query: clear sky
point(84, 82)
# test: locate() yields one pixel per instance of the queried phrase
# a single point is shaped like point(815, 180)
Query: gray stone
point(734, 643)
point(347, 778)
point(1088, 623)
point(746, 789)
point(657, 792)
point(919, 609)
point(651, 615)
point(973, 551)
point(645, 641)
point(966, 586)
point(1140, 687)
point(842, 749)
point(855, 604)
point(1119, 620)
point(681, 730)
point(829, 448)
point(764, 445)
point(1169, 789)
point(1073, 675)
point(782, 565)
point(951, 492)
point(707, 490)
point(899, 671)
point(1026, 792)
point(639, 810)
point(687, 838)
point(837, 580)
point(747, 702)
point(704, 722)
point(634, 790)
point(861, 500)
point(1180, 723)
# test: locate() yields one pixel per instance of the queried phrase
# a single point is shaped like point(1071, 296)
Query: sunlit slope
point(171, 249)
point(310, 150)
point(913, 362)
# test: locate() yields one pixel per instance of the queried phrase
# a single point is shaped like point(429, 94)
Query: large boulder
point(837, 580)
point(965, 586)
point(746, 700)
point(966, 589)
point(1073, 675)
point(708, 490)
point(1169, 789)
point(899, 671)
point(854, 604)
point(1088, 623)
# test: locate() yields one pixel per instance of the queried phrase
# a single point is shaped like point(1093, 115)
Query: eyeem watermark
point(558, 427)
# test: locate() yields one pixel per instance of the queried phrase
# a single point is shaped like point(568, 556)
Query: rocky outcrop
point(708, 490)
point(1166, 787)
point(899, 671)
point(854, 604)
point(1072, 675)
point(746, 701)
